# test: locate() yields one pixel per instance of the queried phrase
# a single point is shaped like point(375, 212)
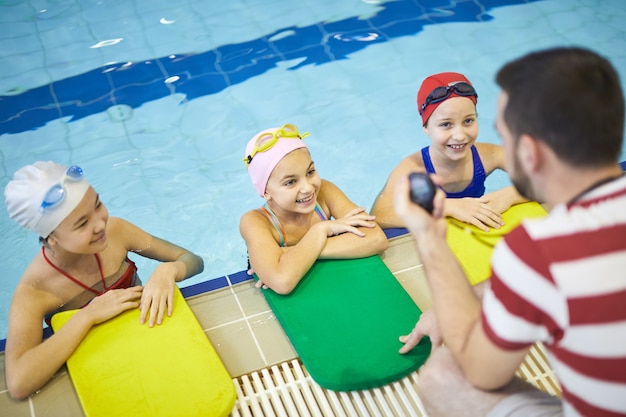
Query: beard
point(522, 183)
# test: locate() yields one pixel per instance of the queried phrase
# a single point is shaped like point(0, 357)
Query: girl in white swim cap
point(83, 263)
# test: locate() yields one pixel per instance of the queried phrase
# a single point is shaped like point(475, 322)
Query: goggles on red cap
point(441, 93)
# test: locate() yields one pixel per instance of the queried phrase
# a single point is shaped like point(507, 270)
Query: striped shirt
point(561, 280)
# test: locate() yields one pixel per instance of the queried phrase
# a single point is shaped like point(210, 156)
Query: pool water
point(156, 100)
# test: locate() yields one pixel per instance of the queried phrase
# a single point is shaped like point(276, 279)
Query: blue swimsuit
point(476, 188)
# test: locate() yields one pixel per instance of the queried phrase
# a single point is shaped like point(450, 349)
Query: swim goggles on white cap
point(57, 192)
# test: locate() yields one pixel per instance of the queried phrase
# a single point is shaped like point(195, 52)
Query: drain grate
point(287, 390)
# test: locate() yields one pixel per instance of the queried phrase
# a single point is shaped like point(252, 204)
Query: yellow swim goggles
point(267, 140)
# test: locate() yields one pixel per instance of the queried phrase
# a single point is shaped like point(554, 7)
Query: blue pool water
point(156, 100)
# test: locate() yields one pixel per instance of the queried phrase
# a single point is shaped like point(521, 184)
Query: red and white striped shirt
point(562, 280)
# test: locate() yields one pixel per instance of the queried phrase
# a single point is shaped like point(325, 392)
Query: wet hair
point(570, 99)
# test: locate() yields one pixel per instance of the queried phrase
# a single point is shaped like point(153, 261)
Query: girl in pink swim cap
point(304, 217)
point(446, 103)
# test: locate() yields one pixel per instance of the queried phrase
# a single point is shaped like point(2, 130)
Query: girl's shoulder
point(416, 159)
point(124, 236)
point(260, 211)
point(37, 268)
point(116, 224)
point(119, 229)
point(254, 213)
point(487, 147)
point(327, 185)
point(328, 191)
point(491, 155)
point(333, 201)
point(253, 218)
point(45, 292)
point(413, 162)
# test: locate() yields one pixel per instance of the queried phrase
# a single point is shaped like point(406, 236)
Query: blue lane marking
point(215, 70)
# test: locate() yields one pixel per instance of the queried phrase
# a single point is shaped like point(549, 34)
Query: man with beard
point(558, 280)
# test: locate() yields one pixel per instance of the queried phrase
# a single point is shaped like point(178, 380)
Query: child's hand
point(158, 294)
point(349, 223)
point(113, 303)
point(480, 212)
point(259, 283)
point(497, 205)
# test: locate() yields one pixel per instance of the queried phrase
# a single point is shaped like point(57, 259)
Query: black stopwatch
point(423, 190)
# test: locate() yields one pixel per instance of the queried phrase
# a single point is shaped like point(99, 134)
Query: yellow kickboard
point(473, 247)
point(123, 368)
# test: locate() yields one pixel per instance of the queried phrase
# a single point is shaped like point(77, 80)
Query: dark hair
point(570, 99)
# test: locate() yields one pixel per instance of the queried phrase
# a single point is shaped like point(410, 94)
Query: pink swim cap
point(262, 163)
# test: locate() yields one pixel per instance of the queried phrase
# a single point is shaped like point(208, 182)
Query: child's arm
point(282, 268)
point(475, 211)
point(382, 209)
point(30, 362)
point(485, 212)
point(349, 245)
point(177, 263)
point(502, 199)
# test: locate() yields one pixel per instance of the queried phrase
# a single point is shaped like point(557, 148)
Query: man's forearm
point(455, 301)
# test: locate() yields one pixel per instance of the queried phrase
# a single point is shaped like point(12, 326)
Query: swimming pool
point(156, 101)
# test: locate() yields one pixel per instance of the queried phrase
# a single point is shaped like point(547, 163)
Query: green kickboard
point(344, 319)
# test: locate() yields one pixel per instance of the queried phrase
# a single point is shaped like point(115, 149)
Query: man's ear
point(529, 152)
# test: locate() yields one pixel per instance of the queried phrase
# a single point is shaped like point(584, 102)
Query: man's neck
point(567, 184)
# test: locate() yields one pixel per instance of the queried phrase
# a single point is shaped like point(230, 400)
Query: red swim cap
point(444, 79)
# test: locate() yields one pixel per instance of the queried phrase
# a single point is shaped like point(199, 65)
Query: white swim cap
point(42, 195)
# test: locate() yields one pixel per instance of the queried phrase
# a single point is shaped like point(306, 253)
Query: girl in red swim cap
point(446, 103)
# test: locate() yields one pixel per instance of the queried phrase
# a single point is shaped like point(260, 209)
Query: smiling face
point(294, 184)
point(84, 229)
point(453, 127)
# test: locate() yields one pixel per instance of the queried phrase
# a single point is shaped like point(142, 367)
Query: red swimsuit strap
point(74, 280)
